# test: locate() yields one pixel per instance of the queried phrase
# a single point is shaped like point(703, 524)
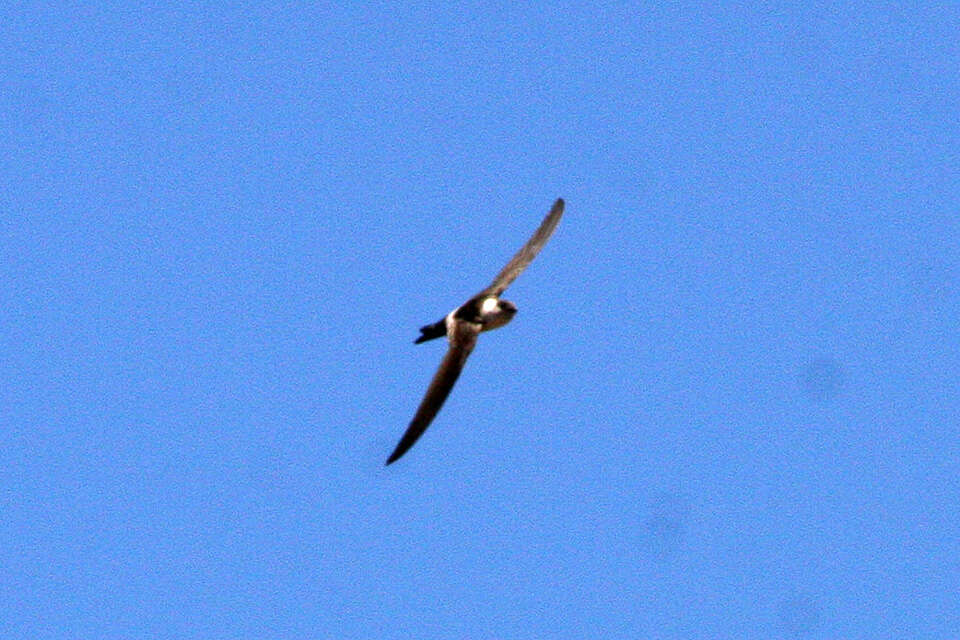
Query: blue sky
point(727, 408)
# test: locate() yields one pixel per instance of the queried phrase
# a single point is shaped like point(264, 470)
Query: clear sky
point(727, 408)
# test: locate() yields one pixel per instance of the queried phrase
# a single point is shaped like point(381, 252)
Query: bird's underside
point(483, 312)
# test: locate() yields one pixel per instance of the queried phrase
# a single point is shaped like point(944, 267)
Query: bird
point(483, 312)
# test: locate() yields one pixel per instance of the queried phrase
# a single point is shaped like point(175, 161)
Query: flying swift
point(483, 312)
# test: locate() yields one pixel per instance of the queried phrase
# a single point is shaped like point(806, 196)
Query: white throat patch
point(489, 305)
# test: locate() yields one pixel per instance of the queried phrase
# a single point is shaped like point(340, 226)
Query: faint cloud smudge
point(798, 616)
point(821, 380)
point(666, 520)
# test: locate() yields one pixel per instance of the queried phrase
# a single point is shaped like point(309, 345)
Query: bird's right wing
point(461, 344)
point(527, 253)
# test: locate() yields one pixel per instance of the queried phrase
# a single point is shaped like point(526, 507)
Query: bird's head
point(495, 313)
point(507, 307)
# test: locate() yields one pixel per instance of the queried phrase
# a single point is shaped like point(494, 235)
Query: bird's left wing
point(462, 341)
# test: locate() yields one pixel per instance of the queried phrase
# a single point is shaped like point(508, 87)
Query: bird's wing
point(461, 344)
point(526, 254)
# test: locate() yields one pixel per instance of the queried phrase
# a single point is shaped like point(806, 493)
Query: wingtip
point(396, 455)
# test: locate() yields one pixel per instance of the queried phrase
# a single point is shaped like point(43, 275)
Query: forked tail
point(431, 331)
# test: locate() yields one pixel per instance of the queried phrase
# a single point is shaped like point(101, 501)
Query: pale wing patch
point(449, 321)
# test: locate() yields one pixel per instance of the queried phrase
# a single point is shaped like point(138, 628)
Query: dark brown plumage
point(483, 312)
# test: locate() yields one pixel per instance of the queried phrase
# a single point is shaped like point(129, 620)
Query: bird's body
point(483, 312)
point(486, 312)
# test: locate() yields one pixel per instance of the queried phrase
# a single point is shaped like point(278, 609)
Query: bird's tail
point(431, 331)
